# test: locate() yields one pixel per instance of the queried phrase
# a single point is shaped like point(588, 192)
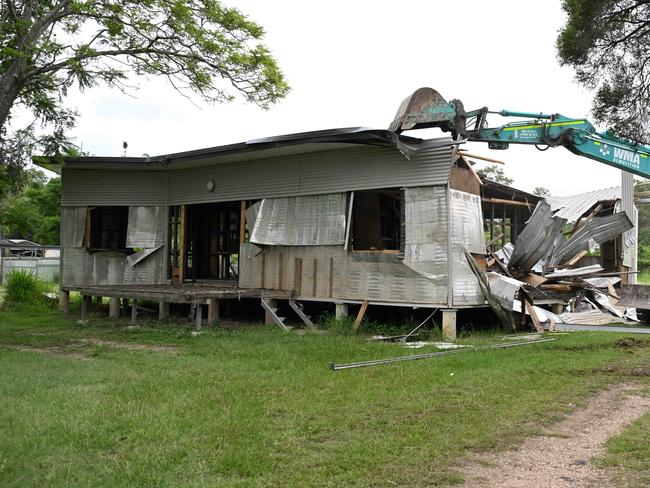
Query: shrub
point(23, 287)
point(343, 326)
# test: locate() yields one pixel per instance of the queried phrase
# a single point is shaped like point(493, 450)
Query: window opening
point(377, 217)
point(108, 227)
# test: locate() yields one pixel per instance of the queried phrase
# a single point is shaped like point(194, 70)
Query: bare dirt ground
point(561, 457)
point(51, 350)
point(131, 346)
point(78, 349)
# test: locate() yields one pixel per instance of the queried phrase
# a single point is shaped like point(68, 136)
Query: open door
point(212, 241)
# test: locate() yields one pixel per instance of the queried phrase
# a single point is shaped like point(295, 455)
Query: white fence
point(47, 269)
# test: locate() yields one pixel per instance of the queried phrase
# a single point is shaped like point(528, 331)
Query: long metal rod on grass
point(413, 357)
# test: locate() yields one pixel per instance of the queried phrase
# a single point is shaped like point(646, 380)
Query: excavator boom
point(426, 108)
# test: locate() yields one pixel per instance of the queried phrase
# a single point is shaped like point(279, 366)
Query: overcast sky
point(350, 63)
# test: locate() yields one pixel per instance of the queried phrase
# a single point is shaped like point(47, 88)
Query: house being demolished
point(569, 256)
point(345, 216)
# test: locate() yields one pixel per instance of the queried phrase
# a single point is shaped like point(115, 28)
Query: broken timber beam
point(503, 201)
point(466, 154)
point(360, 315)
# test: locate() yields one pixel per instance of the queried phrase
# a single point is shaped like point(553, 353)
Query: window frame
point(99, 230)
point(398, 223)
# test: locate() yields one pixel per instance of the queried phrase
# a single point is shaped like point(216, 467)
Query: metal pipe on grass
point(413, 357)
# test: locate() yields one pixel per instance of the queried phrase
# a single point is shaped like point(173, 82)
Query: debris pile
point(538, 279)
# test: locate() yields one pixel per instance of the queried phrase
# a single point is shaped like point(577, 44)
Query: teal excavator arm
point(426, 108)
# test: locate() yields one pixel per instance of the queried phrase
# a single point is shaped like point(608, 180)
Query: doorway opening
point(204, 242)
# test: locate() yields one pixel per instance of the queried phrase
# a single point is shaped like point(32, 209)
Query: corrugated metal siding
point(538, 236)
point(81, 268)
point(353, 276)
point(301, 221)
point(353, 168)
point(144, 229)
point(425, 247)
point(112, 187)
point(342, 169)
point(466, 234)
point(599, 229)
point(73, 226)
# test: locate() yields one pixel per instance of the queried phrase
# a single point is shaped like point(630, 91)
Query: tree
point(48, 46)
point(607, 42)
point(495, 173)
point(32, 211)
point(540, 191)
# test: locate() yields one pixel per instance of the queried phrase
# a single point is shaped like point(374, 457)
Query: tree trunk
point(10, 88)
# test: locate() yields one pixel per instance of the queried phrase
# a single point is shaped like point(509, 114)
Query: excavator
point(426, 108)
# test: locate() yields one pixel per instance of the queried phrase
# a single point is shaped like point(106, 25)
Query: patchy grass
point(258, 407)
point(629, 455)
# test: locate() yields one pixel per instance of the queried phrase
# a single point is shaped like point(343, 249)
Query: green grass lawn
point(258, 407)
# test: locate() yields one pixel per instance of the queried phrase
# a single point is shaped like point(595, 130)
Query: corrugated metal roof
point(600, 229)
point(537, 237)
point(575, 272)
point(300, 143)
point(572, 207)
point(591, 317)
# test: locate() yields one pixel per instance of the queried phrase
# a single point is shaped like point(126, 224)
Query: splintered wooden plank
point(533, 315)
point(576, 258)
point(360, 315)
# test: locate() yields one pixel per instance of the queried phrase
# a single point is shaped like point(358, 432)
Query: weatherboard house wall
point(439, 222)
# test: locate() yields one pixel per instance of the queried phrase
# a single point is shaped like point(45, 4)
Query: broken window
point(377, 220)
point(108, 226)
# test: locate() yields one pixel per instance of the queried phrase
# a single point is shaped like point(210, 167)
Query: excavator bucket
point(427, 108)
